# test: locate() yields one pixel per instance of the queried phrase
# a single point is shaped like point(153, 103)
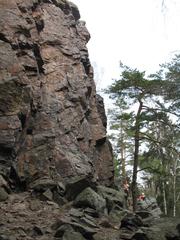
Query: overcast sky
point(140, 33)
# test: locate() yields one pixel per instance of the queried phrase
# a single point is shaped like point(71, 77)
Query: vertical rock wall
point(52, 124)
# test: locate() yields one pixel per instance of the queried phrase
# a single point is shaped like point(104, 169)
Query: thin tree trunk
point(174, 195)
point(174, 189)
point(164, 199)
point(136, 156)
point(123, 154)
point(123, 162)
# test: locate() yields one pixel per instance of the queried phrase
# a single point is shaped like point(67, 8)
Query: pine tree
point(141, 96)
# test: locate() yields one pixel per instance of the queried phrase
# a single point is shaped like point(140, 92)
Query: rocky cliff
point(52, 123)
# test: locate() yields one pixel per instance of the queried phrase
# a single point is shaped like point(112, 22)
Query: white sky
point(140, 33)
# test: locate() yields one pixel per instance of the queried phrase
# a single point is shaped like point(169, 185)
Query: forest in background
point(144, 125)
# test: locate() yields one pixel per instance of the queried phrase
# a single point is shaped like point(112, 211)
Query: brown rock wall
point(49, 121)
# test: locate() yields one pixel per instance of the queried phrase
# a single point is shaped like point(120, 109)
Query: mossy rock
point(72, 236)
point(112, 196)
point(89, 198)
point(3, 195)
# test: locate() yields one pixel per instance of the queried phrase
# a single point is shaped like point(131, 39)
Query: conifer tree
point(142, 97)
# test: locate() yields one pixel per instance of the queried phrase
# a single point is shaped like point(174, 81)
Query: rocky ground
point(92, 212)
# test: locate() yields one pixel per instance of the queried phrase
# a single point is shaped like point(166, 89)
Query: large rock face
point(51, 121)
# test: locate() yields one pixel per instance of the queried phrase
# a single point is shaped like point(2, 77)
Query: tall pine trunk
point(136, 156)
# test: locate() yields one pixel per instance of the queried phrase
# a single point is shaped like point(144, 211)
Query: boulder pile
point(48, 211)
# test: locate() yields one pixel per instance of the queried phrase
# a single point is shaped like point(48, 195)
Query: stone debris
point(26, 216)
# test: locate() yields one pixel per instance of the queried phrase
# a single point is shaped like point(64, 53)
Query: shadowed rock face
point(50, 125)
